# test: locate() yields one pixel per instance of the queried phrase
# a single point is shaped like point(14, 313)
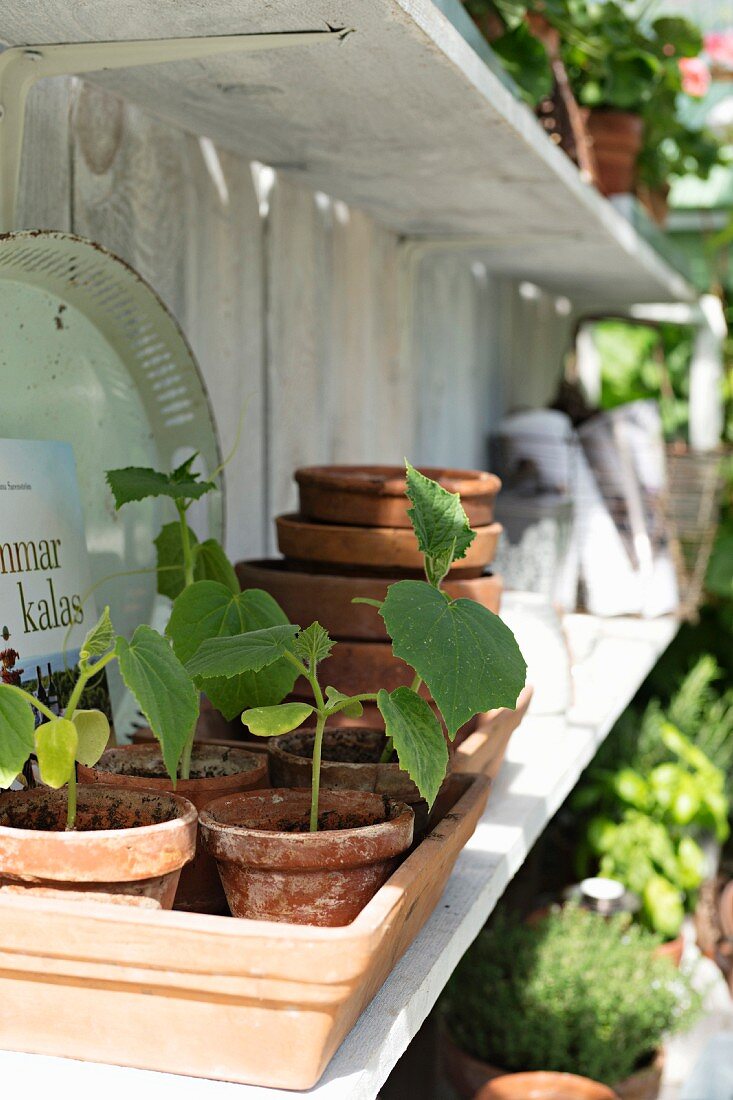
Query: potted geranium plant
point(571, 993)
point(621, 70)
point(207, 603)
point(106, 840)
point(278, 850)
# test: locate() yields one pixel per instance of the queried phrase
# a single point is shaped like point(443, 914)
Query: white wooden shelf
point(408, 118)
point(545, 758)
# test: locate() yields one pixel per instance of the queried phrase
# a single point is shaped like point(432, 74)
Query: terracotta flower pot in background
point(617, 138)
point(272, 868)
point(125, 842)
point(544, 1086)
point(467, 1075)
point(371, 550)
point(327, 597)
point(215, 771)
point(374, 496)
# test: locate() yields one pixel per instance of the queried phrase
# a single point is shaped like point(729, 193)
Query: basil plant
point(150, 669)
point(464, 654)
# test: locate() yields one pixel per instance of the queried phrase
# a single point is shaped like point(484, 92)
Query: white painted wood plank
point(544, 760)
point(300, 426)
point(44, 193)
point(224, 320)
point(404, 120)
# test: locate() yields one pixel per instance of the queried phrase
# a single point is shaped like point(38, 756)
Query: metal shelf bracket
point(22, 66)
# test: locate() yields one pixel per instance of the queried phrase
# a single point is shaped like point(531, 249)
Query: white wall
point(352, 345)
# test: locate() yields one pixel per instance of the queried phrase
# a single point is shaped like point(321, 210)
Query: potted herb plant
point(647, 831)
point(110, 840)
point(207, 603)
point(571, 993)
point(316, 857)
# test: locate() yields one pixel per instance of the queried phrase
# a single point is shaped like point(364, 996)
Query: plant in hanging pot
point(84, 838)
point(316, 857)
point(207, 603)
point(620, 69)
point(571, 993)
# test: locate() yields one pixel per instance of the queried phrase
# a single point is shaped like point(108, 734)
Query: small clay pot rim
point(53, 854)
point(199, 784)
point(390, 480)
point(320, 850)
point(545, 1080)
point(76, 837)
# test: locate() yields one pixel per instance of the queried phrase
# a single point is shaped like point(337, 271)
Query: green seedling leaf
point(663, 906)
point(242, 653)
point(212, 564)
point(313, 645)
point(417, 738)
point(344, 704)
point(17, 740)
point(99, 640)
point(272, 721)
point(140, 482)
point(92, 728)
point(210, 610)
point(56, 746)
point(466, 655)
point(440, 523)
point(163, 689)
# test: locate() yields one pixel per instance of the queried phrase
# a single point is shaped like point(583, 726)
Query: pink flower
point(719, 46)
point(695, 76)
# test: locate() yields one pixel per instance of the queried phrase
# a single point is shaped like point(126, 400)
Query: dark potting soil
point(116, 813)
point(207, 762)
point(343, 746)
point(330, 821)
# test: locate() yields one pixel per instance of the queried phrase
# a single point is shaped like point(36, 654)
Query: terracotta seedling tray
point(236, 1000)
point(327, 597)
point(374, 549)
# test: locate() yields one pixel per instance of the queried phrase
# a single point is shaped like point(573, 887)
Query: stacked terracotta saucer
point(352, 537)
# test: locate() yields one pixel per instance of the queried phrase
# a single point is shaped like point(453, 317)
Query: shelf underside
point(403, 119)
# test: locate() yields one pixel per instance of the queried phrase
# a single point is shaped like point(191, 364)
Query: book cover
point(45, 610)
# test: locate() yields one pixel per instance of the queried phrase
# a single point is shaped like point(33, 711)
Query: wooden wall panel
point(351, 344)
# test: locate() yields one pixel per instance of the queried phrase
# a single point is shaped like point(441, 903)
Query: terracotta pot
point(356, 667)
point(215, 771)
point(616, 138)
point(468, 1075)
point(125, 842)
point(350, 761)
point(544, 1086)
point(655, 201)
point(326, 597)
point(374, 496)
point(672, 950)
point(374, 549)
point(272, 870)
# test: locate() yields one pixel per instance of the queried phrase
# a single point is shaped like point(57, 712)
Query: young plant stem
point(71, 800)
point(316, 781)
point(188, 577)
point(185, 765)
point(28, 698)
